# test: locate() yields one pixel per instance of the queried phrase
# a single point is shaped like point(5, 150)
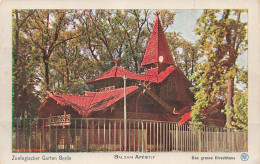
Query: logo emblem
point(244, 157)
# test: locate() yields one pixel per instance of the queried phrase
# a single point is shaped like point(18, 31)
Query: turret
point(157, 56)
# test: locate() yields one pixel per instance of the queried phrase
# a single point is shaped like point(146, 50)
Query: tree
point(184, 52)
point(70, 68)
point(93, 45)
point(223, 39)
point(47, 29)
point(240, 110)
point(25, 100)
point(112, 34)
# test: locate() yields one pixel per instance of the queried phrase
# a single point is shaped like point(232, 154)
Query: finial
point(116, 61)
point(157, 13)
point(49, 93)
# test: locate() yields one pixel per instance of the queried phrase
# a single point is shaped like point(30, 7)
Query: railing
point(61, 120)
point(106, 135)
point(143, 116)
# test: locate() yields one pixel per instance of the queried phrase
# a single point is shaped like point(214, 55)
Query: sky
point(185, 22)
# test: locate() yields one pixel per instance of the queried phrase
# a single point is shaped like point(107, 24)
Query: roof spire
point(157, 50)
point(116, 61)
point(157, 13)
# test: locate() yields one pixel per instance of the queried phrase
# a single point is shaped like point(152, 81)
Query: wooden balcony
point(62, 120)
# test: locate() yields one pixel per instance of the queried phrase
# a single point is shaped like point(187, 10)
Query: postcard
point(123, 82)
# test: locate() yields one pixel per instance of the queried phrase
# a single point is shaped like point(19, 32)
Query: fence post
point(36, 133)
point(75, 136)
point(81, 137)
point(207, 137)
point(23, 142)
point(142, 136)
point(30, 135)
point(232, 132)
point(17, 133)
point(50, 134)
point(98, 135)
point(68, 144)
point(87, 135)
point(177, 137)
point(199, 139)
point(109, 135)
point(56, 136)
point(217, 140)
point(157, 135)
point(43, 134)
point(129, 136)
point(115, 132)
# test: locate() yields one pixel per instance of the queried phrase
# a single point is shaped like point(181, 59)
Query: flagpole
point(125, 127)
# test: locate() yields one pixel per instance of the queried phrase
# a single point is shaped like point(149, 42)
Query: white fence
point(104, 135)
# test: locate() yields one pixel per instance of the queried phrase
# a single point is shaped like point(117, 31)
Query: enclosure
point(107, 135)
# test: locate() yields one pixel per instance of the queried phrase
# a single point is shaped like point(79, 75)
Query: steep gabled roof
point(117, 71)
point(91, 102)
point(103, 100)
point(84, 105)
point(157, 47)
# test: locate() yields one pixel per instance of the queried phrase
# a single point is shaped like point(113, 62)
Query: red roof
point(164, 74)
point(157, 46)
point(117, 71)
point(92, 101)
point(185, 118)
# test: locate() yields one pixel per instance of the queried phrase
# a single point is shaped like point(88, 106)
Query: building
point(162, 93)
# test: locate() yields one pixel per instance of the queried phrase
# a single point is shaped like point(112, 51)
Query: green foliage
point(25, 98)
point(223, 37)
point(184, 52)
point(240, 110)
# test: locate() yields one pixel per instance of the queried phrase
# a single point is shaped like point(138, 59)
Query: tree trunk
point(186, 67)
point(46, 65)
point(68, 74)
point(230, 94)
point(63, 79)
point(136, 64)
point(94, 56)
point(15, 73)
point(192, 62)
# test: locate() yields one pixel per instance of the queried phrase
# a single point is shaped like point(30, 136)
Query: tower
point(157, 56)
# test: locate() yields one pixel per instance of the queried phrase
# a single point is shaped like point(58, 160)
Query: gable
point(51, 107)
point(176, 88)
